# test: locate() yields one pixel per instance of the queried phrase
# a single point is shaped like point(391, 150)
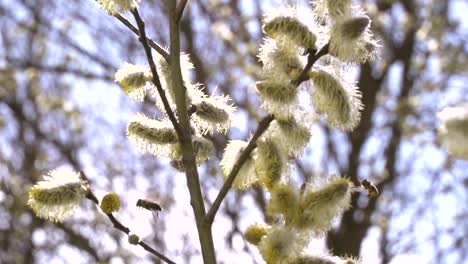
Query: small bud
point(291, 29)
point(255, 232)
point(110, 203)
point(133, 239)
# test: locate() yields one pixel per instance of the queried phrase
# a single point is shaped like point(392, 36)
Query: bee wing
point(155, 215)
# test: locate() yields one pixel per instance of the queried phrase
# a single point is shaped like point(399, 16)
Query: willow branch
point(155, 78)
point(151, 43)
point(118, 225)
point(188, 157)
point(262, 127)
point(311, 60)
point(180, 9)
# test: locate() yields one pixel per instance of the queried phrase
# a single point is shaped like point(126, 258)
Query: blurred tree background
point(60, 107)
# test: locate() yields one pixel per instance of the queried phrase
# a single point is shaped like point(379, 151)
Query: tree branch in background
point(150, 42)
point(81, 242)
point(56, 69)
point(118, 225)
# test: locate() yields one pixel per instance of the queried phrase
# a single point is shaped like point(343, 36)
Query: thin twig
point(118, 225)
point(180, 9)
point(262, 127)
point(155, 79)
point(135, 30)
point(311, 60)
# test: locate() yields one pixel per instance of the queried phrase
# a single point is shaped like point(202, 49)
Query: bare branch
point(135, 30)
point(180, 9)
point(57, 69)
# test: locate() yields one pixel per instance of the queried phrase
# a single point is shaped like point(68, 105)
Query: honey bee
point(372, 191)
point(148, 205)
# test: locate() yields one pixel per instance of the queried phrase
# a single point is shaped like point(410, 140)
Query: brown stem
point(311, 60)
